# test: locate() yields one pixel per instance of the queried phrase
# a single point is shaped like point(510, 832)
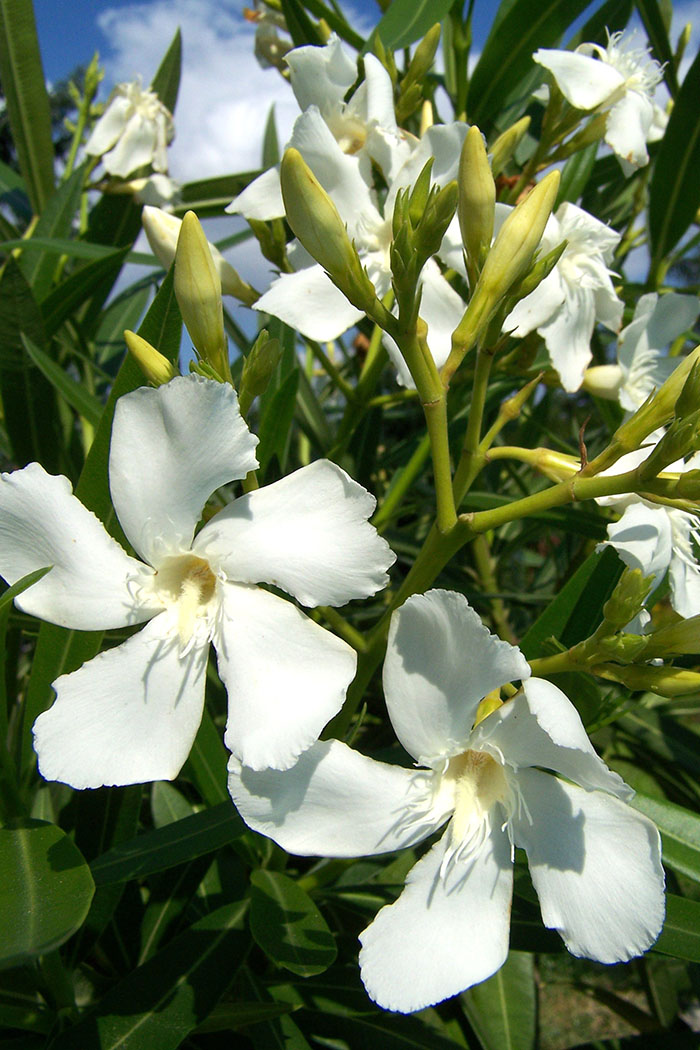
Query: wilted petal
point(285, 676)
point(596, 866)
point(307, 533)
point(444, 933)
point(129, 715)
point(93, 584)
point(441, 662)
point(310, 302)
point(584, 81)
point(541, 727)
point(336, 802)
point(171, 448)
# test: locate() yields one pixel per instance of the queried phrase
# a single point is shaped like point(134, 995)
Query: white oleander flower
point(307, 299)
point(131, 714)
point(578, 292)
point(617, 79)
point(134, 130)
point(656, 538)
point(364, 128)
point(595, 863)
point(642, 350)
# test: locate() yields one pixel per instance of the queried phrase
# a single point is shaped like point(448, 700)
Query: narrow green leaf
point(288, 926)
point(78, 397)
point(503, 1009)
point(575, 174)
point(126, 311)
point(610, 17)
point(680, 936)
point(13, 191)
point(56, 220)
point(680, 833)
point(8, 596)
point(275, 424)
point(210, 196)
point(507, 55)
point(90, 282)
point(576, 611)
point(166, 847)
point(28, 399)
point(653, 22)
point(166, 82)
point(665, 737)
point(406, 21)
point(271, 146)
point(674, 193)
point(378, 1031)
point(58, 246)
point(206, 765)
point(299, 26)
point(160, 1002)
point(24, 84)
point(45, 890)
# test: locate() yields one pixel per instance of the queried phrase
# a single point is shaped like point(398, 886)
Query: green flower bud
point(666, 681)
point(156, 368)
point(314, 219)
point(506, 144)
point(477, 199)
point(658, 408)
point(627, 599)
point(678, 639)
point(198, 292)
point(258, 368)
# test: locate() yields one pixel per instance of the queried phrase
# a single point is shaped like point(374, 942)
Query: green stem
point(481, 549)
point(341, 626)
point(436, 420)
point(402, 483)
point(332, 370)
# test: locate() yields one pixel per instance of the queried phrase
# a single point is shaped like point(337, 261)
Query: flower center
point(479, 782)
point(188, 583)
point(350, 133)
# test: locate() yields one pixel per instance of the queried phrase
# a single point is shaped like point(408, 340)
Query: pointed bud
point(678, 639)
point(198, 292)
point(156, 368)
point(666, 681)
point(423, 56)
point(506, 144)
point(418, 195)
point(162, 231)
point(477, 199)
point(258, 368)
point(427, 117)
point(532, 280)
point(314, 219)
point(658, 408)
point(627, 599)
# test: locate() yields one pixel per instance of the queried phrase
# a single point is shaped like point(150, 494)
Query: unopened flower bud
point(477, 198)
point(506, 144)
point(677, 639)
point(534, 278)
point(198, 292)
point(162, 231)
point(627, 599)
point(603, 381)
point(658, 408)
point(423, 56)
point(666, 681)
point(258, 368)
point(314, 219)
point(156, 368)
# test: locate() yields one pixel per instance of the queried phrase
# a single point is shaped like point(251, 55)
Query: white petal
point(627, 127)
point(338, 173)
point(261, 199)
point(443, 934)
point(684, 571)
point(596, 866)
point(441, 661)
point(310, 302)
point(335, 802)
point(541, 727)
point(321, 76)
point(443, 144)
point(171, 448)
point(585, 82)
point(307, 534)
point(568, 336)
point(537, 307)
point(672, 315)
point(135, 148)
point(109, 127)
point(128, 716)
point(285, 676)
point(380, 96)
point(442, 309)
point(643, 539)
point(93, 584)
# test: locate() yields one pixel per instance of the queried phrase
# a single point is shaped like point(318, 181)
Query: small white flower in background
point(617, 79)
point(578, 292)
point(131, 714)
point(364, 128)
point(595, 863)
point(642, 350)
point(307, 299)
point(157, 191)
point(656, 538)
point(134, 130)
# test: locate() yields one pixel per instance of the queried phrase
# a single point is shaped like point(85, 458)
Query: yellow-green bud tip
point(156, 368)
